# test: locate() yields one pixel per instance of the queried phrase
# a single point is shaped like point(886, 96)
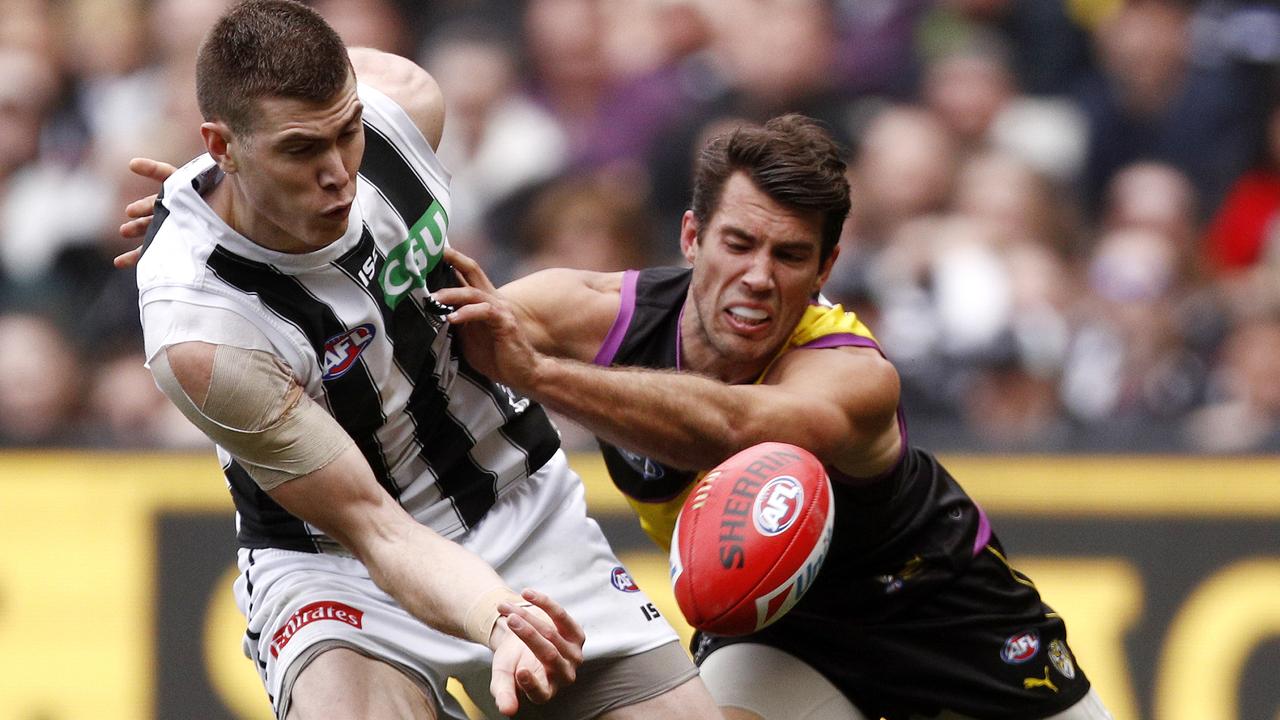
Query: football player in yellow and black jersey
point(916, 612)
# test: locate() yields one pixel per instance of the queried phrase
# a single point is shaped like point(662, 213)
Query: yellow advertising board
point(115, 595)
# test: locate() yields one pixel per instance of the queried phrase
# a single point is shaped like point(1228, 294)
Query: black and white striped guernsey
point(354, 322)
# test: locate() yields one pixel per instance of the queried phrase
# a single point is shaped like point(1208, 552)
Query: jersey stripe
point(445, 439)
point(387, 169)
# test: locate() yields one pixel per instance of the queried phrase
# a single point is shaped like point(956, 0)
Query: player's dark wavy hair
point(791, 158)
point(267, 48)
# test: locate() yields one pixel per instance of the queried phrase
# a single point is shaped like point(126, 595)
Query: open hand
point(537, 649)
point(141, 210)
point(493, 340)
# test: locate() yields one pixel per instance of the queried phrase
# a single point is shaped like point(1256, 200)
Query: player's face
point(298, 169)
point(755, 267)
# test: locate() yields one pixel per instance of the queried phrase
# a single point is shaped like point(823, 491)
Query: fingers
point(135, 229)
point(554, 639)
point(539, 680)
point(502, 683)
point(468, 270)
point(568, 627)
point(127, 260)
point(151, 169)
point(141, 208)
point(459, 297)
point(471, 305)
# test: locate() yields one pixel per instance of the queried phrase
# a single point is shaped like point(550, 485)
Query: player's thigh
point(689, 701)
point(751, 681)
point(342, 683)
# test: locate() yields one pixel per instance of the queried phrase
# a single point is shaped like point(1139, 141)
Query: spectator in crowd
point(1246, 229)
point(1243, 412)
point(1160, 96)
point(40, 387)
point(498, 143)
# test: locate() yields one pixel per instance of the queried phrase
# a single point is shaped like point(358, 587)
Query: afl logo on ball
point(1021, 647)
point(778, 505)
point(621, 579)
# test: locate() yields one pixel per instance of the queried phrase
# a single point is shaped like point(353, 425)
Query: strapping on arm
point(256, 411)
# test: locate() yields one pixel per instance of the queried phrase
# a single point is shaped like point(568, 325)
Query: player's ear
point(689, 236)
point(825, 271)
point(218, 138)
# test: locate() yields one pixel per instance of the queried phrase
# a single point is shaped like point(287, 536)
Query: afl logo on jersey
point(778, 505)
point(621, 580)
point(341, 351)
point(1021, 647)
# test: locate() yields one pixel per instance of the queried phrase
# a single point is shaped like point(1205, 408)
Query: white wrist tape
point(483, 613)
point(257, 412)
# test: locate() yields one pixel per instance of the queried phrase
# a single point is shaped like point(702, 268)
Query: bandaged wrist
point(483, 613)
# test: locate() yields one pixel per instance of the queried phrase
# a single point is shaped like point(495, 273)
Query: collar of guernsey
point(821, 326)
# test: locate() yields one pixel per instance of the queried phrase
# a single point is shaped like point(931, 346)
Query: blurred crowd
point(1066, 224)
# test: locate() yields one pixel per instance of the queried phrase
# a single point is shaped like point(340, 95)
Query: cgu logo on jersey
point(1021, 647)
point(778, 505)
point(342, 350)
point(409, 263)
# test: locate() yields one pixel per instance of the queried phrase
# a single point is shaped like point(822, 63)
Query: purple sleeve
point(613, 340)
point(840, 340)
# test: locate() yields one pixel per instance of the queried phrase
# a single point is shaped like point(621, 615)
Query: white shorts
point(536, 535)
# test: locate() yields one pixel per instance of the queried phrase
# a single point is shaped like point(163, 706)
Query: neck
point(696, 353)
point(228, 201)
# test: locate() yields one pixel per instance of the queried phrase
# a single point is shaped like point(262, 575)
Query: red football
point(750, 538)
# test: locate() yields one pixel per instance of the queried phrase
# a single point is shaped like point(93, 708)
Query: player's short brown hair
point(267, 48)
point(791, 158)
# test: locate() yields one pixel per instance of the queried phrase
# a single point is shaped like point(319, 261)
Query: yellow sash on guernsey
point(658, 519)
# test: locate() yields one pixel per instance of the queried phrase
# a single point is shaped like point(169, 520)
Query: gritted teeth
point(749, 315)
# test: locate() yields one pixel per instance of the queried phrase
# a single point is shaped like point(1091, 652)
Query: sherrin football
point(750, 538)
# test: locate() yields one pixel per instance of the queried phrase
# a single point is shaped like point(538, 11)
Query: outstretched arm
point(248, 402)
point(839, 403)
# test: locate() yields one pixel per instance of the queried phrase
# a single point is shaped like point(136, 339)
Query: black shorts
point(982, 644)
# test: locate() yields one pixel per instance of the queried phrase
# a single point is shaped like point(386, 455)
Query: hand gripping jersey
point(355, 323)
point(900, 533)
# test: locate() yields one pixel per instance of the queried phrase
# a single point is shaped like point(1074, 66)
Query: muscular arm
point(411, 87)
point(538, 335)
point(839, 404)
point(565, 313)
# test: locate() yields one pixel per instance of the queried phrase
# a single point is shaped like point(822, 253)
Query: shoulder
point(405, 83)
point(827, 371)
